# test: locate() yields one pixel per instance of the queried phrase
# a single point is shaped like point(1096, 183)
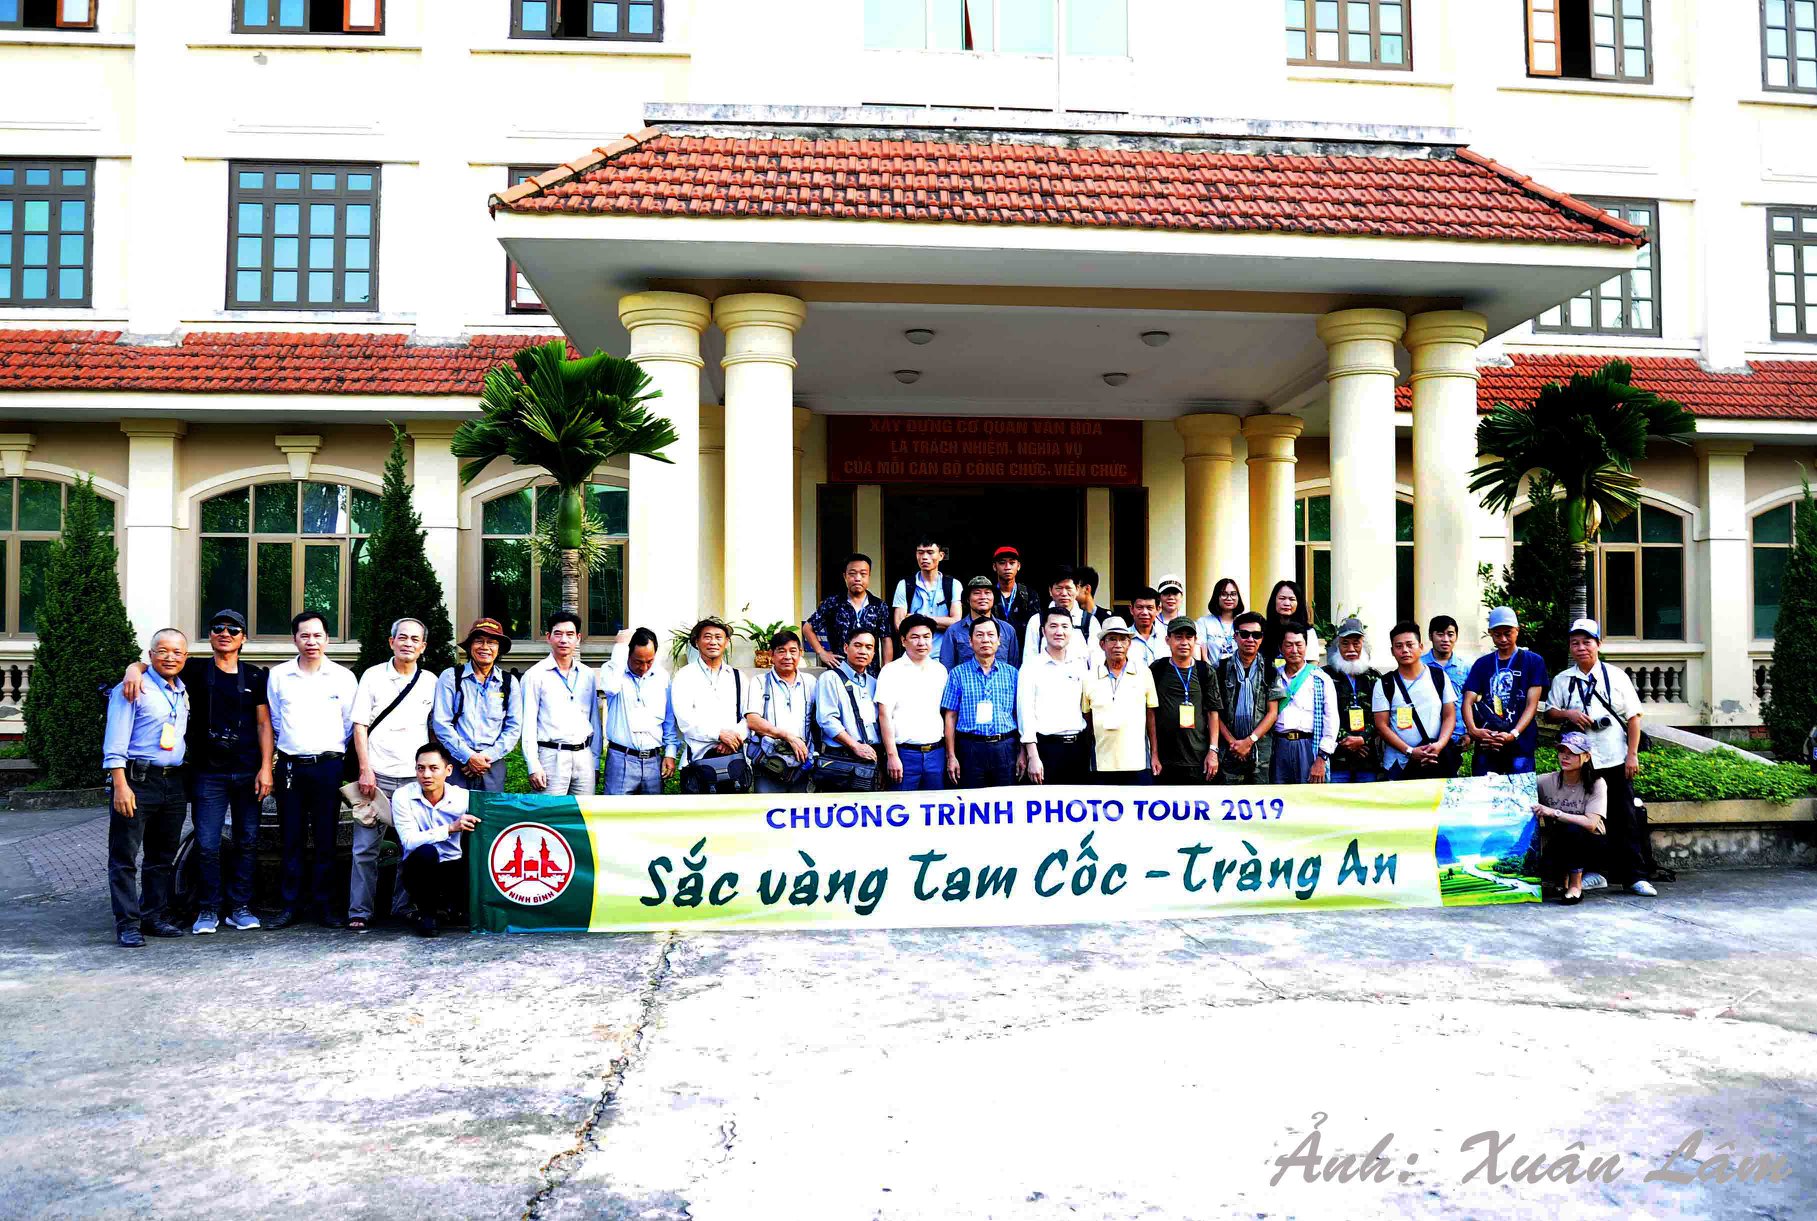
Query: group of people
point(974, 683)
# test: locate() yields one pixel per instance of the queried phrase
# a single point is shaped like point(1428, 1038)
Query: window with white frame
point(47, 14)
point(1636, 575)
point(1792, 258)
point(309, 16)
point(1788, 45)
point(1603, 40)
point(522, 596)
point(273, 549)
point(1015, 27)
point(1625, 304)
point(31, 522)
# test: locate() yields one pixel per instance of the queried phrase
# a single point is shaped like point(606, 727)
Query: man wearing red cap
point(1014, 602)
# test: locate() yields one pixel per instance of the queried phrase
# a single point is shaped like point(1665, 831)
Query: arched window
point(273, 549)
point(1312, 555)
point(1637, 576)
point(1772, 551)
point(522, 598)
point(31, 520)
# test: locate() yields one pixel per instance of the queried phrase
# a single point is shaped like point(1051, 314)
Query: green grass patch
point(1672, 773)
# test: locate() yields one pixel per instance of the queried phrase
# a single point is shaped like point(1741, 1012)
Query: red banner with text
point(973, 449)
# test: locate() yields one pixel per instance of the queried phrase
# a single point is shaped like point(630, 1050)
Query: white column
point(1271, 462)
point(760, 396)
point(1443, 345)
point(712, 581)
point(435, 494)
point(1210, 515)
point(665, 496)
point(151, 526)
point(1360, 343)
point(805, 555)
point(1723, 592)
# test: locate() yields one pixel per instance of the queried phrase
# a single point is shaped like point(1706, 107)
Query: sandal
point(356, 925)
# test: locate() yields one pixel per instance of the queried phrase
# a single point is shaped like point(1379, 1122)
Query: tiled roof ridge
point(1759, 390)
point(573, 169)
point(1589, 212)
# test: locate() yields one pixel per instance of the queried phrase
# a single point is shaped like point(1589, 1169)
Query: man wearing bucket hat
point(479, 709)
point(1599, 701)
point(1501, 701)
point(1119, 702)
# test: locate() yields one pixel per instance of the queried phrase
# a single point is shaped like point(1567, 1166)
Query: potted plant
point(762, 636)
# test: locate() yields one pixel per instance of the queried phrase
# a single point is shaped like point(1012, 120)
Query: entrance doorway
point(1045, 524)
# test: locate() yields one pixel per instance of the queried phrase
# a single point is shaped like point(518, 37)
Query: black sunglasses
point(229, 628)
point(1249, 635)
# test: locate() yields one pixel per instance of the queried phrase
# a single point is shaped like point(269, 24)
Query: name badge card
point(987, 714)
point(1403, 717)
point(1356, 720)
point(168, 739)
point(1188, 716)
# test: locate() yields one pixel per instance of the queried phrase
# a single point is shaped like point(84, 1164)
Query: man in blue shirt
point(929, 592)
point(845, 703)
point(1501, 700)
point(431, 816)
point(979, 707)
point(143, 751)
point(478, 710)
point(980, 603)
point(1443, 654)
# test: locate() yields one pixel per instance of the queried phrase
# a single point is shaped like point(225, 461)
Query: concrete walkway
point(1141, 1070)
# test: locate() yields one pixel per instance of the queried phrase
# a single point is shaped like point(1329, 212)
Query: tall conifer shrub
point(397, 582)
point(1792, 710)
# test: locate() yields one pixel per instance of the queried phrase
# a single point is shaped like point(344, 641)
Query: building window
point(1639, 588)
point(1015, 27)
point(1772, 552)
point(47, 14)
point(1792, 254)
point(303, 236)
point(309, 16)
point(31, 521)
point(1352, 33)
point(521, 596)
point(1788, 44)
point(274, 549)
point(625, 20)
point(1312, 558)
point(46, 215)
point(1626, 304)
point(520, 297)
point(1604, 40)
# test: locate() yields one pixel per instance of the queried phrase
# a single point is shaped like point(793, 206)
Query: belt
point(566, 745)
point(921, 747)
point(324, 757)
point(652, 753)
point(1292, 735)
point(987, 737)
point(1067, 738)
point(142, 765)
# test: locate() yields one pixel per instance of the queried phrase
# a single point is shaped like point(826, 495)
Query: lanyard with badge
point(167, 737)
point(1188, 710)
point(986, 712)
point(1354, 714)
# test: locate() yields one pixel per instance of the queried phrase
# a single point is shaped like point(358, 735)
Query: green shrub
point(1671, 773)
point(1792, 710)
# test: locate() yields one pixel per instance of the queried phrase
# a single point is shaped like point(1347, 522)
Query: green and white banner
point(1030, 855)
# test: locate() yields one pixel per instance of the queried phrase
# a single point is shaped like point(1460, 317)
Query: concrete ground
point(1140, 1070)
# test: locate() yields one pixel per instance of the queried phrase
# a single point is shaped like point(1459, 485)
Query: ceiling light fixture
point(908, 376)
point(918, 335)
point(1115, 379)
point(1156, 339)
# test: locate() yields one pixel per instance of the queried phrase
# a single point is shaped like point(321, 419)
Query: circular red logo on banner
point(531, 863)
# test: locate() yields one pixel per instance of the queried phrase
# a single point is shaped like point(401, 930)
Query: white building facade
point(238, 236)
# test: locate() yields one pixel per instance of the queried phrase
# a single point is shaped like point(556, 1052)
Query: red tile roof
point(257, 362)
point(1771, 390)
point(1456, 194)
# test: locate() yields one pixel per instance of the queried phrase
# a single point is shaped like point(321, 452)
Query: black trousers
point(1621, 858)
point(1064, 762)
point(309, 807)
point(437, 884)
point(1184, 773)
point(156, 827)
point(984, 765)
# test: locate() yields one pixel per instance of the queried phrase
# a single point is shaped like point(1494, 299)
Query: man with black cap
point(1014, 600)
point(230, 765)
point(479, 710)
point(1354, 760)
point(1189, 705)
point(980, 603)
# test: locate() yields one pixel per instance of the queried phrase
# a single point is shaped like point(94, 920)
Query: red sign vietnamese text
point(970, 449)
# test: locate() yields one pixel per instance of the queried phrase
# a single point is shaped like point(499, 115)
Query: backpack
point(1437, 675)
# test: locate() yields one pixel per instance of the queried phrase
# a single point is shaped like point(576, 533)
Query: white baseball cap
point(1169, 580)
point(1587, 627)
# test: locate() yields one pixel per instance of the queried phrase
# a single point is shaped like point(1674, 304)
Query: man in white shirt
point(1415, 708)
point(778, 710)
point(311, 702)
point(1147, 644)
point(908, 711)
point(707, 696)
point(391, 710)
point(1305, 730)
point(561, 714)
point(1049, 698)
point(1599, 700)
point(636, 692)
point(1082, 643)
point(431, 816)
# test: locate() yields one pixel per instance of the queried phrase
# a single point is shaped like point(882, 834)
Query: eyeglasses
point(219, 629)
point(179, 653)
point(1249, 635)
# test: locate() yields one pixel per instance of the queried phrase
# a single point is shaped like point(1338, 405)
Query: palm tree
point(566, 417)
point(1585, 438)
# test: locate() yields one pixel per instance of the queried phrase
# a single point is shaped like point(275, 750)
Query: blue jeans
point(309, 807)
point(217, 793)
point(922, 769)
point(626, 775)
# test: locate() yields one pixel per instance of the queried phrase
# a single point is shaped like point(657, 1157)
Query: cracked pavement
point(1136, 1070)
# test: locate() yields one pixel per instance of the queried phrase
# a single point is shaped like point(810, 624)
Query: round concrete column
point(760, 443)
point(712, 583)
point(1271, 461)
point(665, 496)
point(1360, 344)
point(1209, 514)
point(1443, 345)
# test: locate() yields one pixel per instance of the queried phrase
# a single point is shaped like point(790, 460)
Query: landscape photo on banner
point(1008, 856)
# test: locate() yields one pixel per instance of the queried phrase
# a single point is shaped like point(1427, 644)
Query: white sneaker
point(1643, 887)
point(243, 919)
point(1595, 881)
point(207, 922)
